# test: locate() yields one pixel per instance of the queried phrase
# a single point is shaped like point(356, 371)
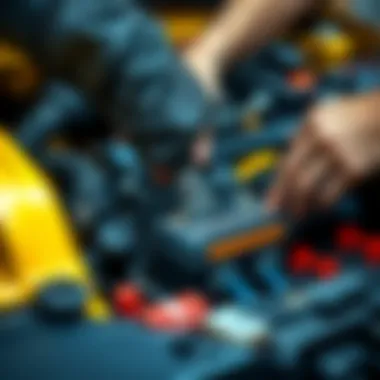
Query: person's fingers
point(307, 183)
point(276, 192)
point(302, 149)
point(345, 174)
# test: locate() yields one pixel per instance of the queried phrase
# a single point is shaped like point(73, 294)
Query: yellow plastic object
point(254, 164)
point(37, 246)
point(182, 26)
point(19, 77)
point(327, 49)
point(367, 42)
point(366, 36)
point(97, 309)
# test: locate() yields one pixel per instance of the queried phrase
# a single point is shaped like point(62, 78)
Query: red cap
point(328, 268)
point(184, 313)
point(349, 237)
point(128, 300)
point(303, 259)
point(371, 249)
point(302, 80)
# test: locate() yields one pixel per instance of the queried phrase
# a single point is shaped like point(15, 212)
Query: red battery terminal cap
point(128, 300)
point(303, 259)
point(186, 312)
point(371, 249)
point(328, 267)
point(349, 237)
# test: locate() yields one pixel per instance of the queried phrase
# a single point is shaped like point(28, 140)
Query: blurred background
point(121, 258)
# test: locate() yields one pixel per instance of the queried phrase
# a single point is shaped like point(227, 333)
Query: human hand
point(205, 68)
point(338, 146)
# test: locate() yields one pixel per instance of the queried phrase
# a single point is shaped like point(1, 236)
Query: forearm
point(244, 25)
